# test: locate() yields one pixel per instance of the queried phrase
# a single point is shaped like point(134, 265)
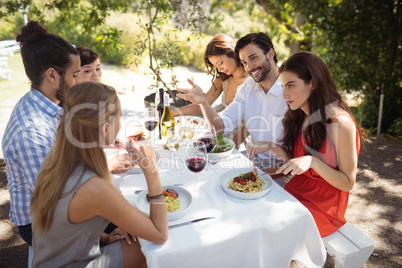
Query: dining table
point(269, 231)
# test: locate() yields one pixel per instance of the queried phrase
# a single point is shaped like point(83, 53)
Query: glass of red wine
point(151, 118)
point(196, 158)
point(207, 134)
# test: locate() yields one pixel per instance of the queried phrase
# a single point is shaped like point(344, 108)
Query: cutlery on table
point(139, 191)
point(254, 168)
point(189, 222)
point(273, 175)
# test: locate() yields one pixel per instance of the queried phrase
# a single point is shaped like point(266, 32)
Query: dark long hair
point(310, 68)
point(41, 50)
point(220, 44)
point(87, 55)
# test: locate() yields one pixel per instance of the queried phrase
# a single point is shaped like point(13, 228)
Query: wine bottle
point(167, 120)
point(159, 108)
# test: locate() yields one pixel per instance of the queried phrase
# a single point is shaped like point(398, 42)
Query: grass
point(19, 83)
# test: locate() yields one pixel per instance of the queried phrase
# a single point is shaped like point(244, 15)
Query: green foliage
point(79, 21)
point(192, 48)
point(126, 23)
point(248, 19)
point(359, 40)
point(396, 128)
point(361, 37)
point(160, 39)
point(10, 26)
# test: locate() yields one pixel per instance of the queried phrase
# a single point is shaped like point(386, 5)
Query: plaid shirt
point(29, 136)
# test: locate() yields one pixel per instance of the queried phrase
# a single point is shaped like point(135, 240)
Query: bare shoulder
point(344, 122)
point(343, 127)
point(97, 186)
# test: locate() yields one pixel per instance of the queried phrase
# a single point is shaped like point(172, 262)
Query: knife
point(175, 184)
point(189, 222)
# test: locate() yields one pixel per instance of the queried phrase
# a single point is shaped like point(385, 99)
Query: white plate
point(224, 154)
point(137, 169)
point(227, 176)
point(185, 199)
point(190, 121)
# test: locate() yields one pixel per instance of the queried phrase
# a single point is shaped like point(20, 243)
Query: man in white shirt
point(258, 100)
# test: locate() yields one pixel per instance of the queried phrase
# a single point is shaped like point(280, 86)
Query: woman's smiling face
point(295, 91)
point(91, 72)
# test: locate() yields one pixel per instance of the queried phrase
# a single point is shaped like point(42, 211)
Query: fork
point(254, 168)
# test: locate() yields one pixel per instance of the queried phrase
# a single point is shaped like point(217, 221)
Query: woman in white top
point(228, 74)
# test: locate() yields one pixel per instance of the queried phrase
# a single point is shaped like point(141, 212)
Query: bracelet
point(158, 203)
point(159, 196)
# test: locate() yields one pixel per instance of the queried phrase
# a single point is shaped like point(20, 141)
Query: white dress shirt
point(262, 112)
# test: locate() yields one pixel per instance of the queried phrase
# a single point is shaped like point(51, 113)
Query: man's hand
point(195, 94)
point(257, 147)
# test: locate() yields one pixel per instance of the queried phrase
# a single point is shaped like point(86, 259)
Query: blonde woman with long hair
point(75, 198)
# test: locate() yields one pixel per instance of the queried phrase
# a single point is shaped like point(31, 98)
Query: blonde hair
point(87, 108)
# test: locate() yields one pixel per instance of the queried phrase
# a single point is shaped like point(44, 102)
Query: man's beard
point(266, 68)
point(61, 91)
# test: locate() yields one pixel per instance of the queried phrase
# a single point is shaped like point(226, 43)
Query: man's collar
point(276, 88)
point(45, 104)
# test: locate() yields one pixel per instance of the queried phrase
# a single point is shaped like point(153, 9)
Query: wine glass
point(151, 118)
point(173, 143)
point(186, 131)
point(196, 158)
point(207, 134)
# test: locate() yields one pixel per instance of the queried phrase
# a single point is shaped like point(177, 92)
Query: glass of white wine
point(173, 143)
point(186, 131)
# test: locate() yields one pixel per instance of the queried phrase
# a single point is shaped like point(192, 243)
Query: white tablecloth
point(266, 232)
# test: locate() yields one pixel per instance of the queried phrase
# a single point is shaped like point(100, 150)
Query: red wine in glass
point(151, 125)
point(196, 158)
point(151, 119)
point(209, 143)
point(196, 164)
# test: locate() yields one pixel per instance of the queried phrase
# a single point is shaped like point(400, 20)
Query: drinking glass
point(151, 118)
point(207, 134)
point(186, 130)
point(173, 143)
point(196, 158)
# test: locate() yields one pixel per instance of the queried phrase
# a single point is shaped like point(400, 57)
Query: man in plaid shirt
point(52, 64)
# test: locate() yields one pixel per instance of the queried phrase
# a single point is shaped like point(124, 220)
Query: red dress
point(326, 203)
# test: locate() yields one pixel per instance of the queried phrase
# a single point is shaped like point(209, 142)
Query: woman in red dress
point(321, 141)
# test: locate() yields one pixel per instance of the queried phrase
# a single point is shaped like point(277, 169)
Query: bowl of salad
point(224, 147)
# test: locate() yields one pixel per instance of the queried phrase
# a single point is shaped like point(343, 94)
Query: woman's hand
point(142, 154)
point(297, 166)
point(117, 234)
point(119, 164)
point(195, 94)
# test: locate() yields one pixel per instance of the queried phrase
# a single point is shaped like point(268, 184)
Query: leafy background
point(360, 40)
